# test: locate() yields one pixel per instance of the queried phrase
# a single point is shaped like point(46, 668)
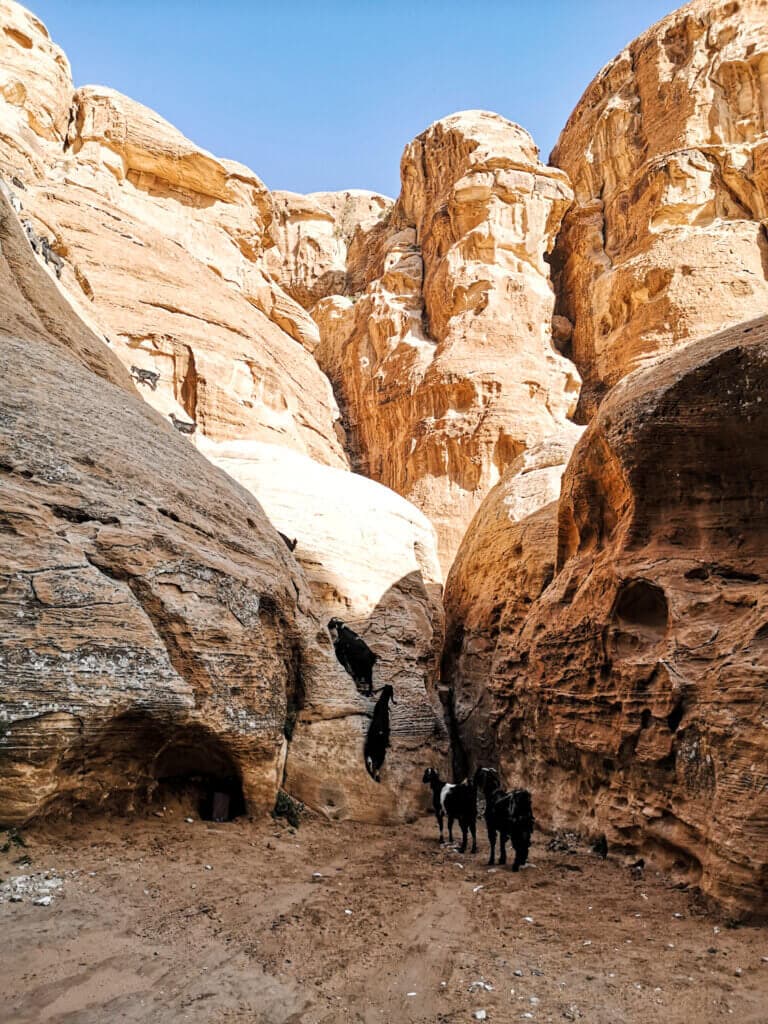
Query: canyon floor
point(165, 920)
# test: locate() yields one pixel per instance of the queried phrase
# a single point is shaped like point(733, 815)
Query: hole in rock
point(642, 604)
point(195, 772)
point(675, 717)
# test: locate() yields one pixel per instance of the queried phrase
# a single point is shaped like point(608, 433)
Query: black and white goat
point(377, 738)
point(354, 654)
point(508, 815)
point(456, 801)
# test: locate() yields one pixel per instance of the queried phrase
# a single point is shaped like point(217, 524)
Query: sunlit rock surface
point(666, 152)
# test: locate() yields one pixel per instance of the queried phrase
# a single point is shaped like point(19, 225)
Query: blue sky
point(324, 95)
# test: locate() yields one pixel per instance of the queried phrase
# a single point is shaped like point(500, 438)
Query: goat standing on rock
point(354, 654)
point(377, 740)
point(458, 802)
point(510, 815)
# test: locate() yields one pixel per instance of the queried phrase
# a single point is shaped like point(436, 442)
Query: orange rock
point(666, 152)
point(441, 353)
point(151, 615)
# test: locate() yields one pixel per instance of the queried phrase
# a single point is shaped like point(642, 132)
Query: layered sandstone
point(313, 234)
point(630, 693)
point(666, 152)
point(441, 349)
point(153, 621)
point(163, 246)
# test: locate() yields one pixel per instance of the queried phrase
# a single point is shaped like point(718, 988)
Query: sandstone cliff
point(313, 234)
point(153, 621)
point(506, 560)
point(370, 559)
point(162, 245)
point(666, 152)
point(440, 349)
point(629, 693)
point(163, 249)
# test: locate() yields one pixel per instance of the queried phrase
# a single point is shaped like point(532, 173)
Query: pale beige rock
point(35, 85)
point(666, 152)
point(445, 370)
point(370, 559)
point(162, 244)
point(313, 234)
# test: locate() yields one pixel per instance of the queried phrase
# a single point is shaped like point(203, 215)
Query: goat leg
point(503, 847)
point(492, 843)
point(450, 829)
point(473, 830)
point(463, 846)
point(522, 845)
point(440, 823)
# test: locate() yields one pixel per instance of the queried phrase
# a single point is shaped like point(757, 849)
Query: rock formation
point(162, 246)
point(439, 345)
point(666, 152)
point(370, 560)
point(630, 693)
point(164, 254)
point(153, 621)
point(312, 236)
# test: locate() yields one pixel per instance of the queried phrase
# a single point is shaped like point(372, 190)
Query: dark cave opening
point(195, 770)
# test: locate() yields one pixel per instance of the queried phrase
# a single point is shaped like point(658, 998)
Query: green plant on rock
point(288, 808)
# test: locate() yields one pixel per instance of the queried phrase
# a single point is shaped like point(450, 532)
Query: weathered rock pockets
point(666, 153)
point(624, 658)
point(440, 349)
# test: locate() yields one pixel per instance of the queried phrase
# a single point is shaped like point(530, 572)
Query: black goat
point(510, 815)
point(458, 802)
point(354, 654)
point(377, 739)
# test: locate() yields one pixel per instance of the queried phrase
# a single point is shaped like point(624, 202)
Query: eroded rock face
point(666, 152)
point(153, 621)
point(313, 235)
point(441, 353)
point(162, 245)
point(370, 559)
point(630, 695)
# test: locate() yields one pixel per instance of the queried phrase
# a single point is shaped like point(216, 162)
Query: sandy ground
point(159, 920)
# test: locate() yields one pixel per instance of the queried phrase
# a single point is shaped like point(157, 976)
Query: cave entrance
point(194, 772)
